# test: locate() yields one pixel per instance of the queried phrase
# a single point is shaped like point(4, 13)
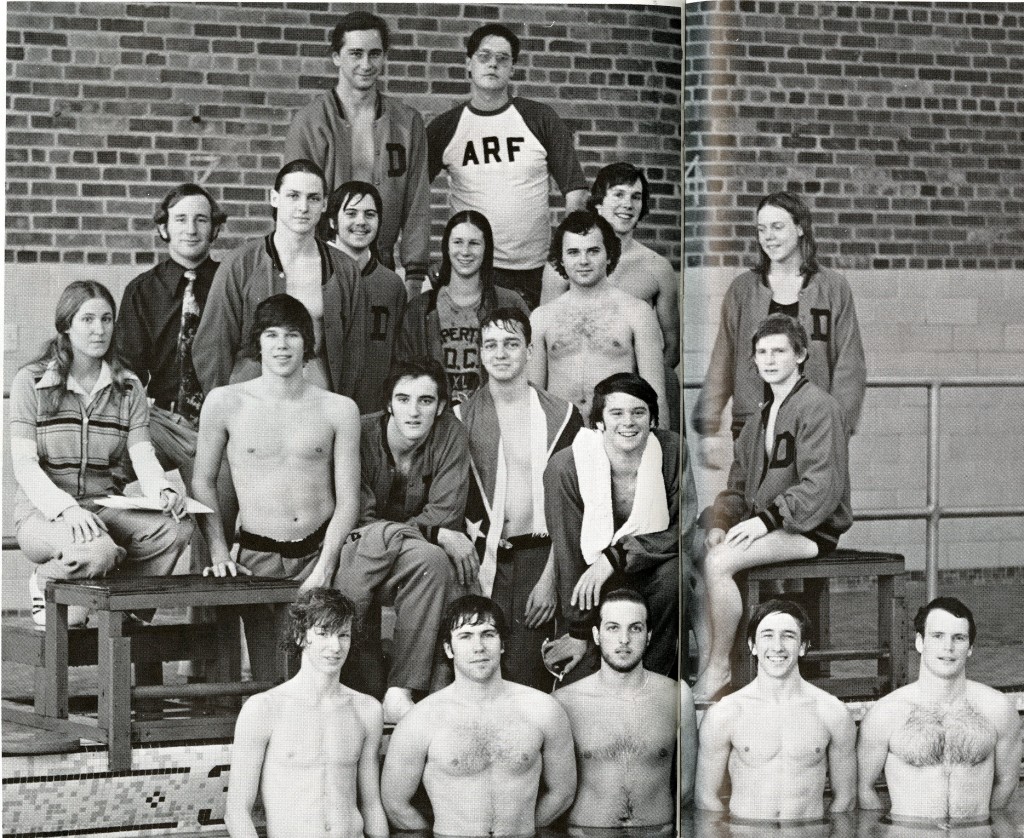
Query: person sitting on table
point(75, 412)
point(788, 495)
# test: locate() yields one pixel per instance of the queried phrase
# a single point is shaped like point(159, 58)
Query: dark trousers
point(659, 586)
point(517, 572)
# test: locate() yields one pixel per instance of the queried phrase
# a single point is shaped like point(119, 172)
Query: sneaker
point(78, 616)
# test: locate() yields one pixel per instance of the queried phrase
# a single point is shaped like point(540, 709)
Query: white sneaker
point(78, 615)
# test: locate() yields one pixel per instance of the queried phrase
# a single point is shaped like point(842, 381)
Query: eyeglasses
point(484, 56)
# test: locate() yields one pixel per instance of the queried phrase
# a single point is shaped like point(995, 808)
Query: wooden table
point(113, 601)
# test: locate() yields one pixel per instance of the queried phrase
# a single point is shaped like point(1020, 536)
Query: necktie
point(190, 393)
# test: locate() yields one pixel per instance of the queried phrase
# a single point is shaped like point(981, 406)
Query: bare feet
point(397, 702)
point(711, 683)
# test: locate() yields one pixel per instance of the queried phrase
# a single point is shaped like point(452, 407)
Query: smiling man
point(623, 721)
point(788, 495)
point(950, 747)
point(354, 132)
point(156, 325)
point(293, 451)
point(290, 260)
point(779, 736)
point(309, 748)
point(615, 495)
point(514, 429)
point(594, 329)
point(495, 757)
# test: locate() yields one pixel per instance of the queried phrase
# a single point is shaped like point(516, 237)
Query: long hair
point(58, 349)
point(801, 215)
point(488, 296)
point(352, 192)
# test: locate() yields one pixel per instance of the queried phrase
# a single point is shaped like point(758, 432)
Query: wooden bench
point(120, 642)
point(892, 648)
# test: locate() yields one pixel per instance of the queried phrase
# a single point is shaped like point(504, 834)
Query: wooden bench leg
point(115, 689)
point(886, 629)
point(56, 658)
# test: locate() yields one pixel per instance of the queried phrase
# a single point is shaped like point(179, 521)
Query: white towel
point(594, 472)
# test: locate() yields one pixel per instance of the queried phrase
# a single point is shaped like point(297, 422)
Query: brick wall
point(900, 121)
point(110, 104)
point(900, 124)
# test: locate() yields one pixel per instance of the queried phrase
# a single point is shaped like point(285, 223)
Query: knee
point(87, 560)
point(432, 563)
point(718, 563)
point(166, 535)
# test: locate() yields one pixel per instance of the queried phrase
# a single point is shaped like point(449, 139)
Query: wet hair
point(488, 295)
point(582, 222)
point(301, 165)
point(623, 382)
point(282, 310)
point(781, 606)
point(59, 350)
point(781, 324)
point(951, 605)
point(358, 22)
point(186, 190)
point(322, 608)
point(417, 368)
point(801, 215)
point(474, 40)
point(619, 174)
point(352, 192)
point(472, 610)
point(507, 318)
point(623, 594)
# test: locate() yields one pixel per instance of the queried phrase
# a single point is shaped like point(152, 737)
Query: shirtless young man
point(950, 747)
point(594, 329)
point(293, 450)
point(624, 725)
point(496, 758)
point(514, 429)
point(310, 746)
point(778, 736)
point(621, 196)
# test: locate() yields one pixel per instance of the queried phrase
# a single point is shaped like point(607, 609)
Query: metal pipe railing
point(933, 511)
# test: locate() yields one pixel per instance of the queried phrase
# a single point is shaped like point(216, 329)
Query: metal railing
point(933, 511)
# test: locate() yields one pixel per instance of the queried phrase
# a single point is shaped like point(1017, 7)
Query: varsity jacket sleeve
point(849, 370)
point(449, 484)
point(301, 141)
point(821, 462)
point(641, 552)
point(414, 249)
point(718, 382)
point(219, 335)
point(730, 506)
point(563, 508)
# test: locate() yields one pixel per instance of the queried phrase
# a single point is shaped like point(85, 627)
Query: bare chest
point(623, 492)
point(362, 144)
point(795, 737)
point(488, 745)
point(263, 433)
point(591, 329)
point(631, 276)
point(333, 737)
